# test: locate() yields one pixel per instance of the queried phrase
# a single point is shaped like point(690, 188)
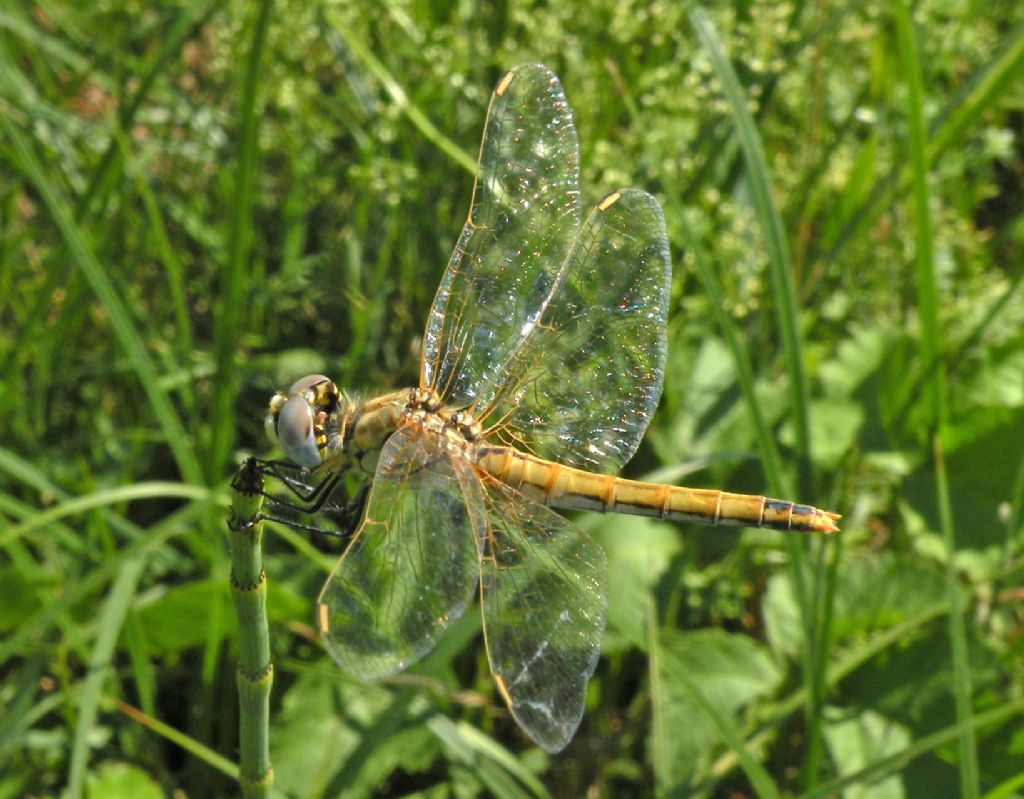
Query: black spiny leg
point(315, 493)
point(352, 513)
point(310, 487)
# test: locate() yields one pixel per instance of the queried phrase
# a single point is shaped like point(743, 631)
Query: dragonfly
point(542, 363)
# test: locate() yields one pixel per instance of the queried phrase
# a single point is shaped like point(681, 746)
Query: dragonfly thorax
point(465, 425)
point(456, 426)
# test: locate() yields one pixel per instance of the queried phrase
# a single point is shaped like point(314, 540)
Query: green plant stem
point(931, 350)
point(231, 308)
point(255, 671)
point(401, 100)
point(784, 293)
point(779, 261)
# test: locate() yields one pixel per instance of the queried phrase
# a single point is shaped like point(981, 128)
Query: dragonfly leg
point(311, 496)
point(352, 513)
point(248, 481)
point(348, 517)
point(321, 496)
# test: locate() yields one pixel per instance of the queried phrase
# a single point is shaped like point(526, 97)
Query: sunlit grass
point(191, 221)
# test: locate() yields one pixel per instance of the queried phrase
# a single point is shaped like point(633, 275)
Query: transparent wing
point(542, 588)
point(582, 386)
point(522, 222)
point(412, 567)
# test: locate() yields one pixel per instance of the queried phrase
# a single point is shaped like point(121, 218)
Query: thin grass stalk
point(231, 305)
point(195, 748)
point(231, 313)
point(760, 780)
point(184, 348)
point(74, 506)
point(935, 395)
point(401, 100)
point(111, 620)
point(255, 670)
point(771, 460)
point(147, 544)
point(109, 298)
point(956, 354)
point(841, 669)
point(784, 292)
point(191, 17)
point(661, 757)
point(895, 763)
point(102, 183)
point(1015, 519)
point(950, 126)
point(770, 220)
point(770, 457)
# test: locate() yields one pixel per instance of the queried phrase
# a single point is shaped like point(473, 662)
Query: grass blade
point(230, 305)
point(894, 763)
point(784, 291)
point(404, 104)
point(103, 288)
point(952, 125)
point(111, 620)
point(780, 265)
point(103, 498)
point(760, 780)
point(931, 347)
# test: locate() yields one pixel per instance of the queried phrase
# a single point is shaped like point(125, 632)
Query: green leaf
point(860, 737)
point(729, 671)
point(639, 552)
point(495, 767)
point(856, 358)
point(21, 597)
point(172, 622)
point(835, 425)
point(116, 780)
point(335, 737)
point(873, 592)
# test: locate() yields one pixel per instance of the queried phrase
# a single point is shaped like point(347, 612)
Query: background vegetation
point(204, 201)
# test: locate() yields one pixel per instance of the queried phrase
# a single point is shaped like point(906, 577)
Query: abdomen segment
point(565, 487)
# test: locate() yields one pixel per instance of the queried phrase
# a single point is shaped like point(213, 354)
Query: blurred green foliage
point(187, 226)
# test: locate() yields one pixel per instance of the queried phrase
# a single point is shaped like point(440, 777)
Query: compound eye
point(295, 432)
point(307, 382)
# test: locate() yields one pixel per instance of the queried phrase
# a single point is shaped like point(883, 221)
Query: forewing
point(584, 384)
point(522, 222)
point(412, 567)
point(542, 588)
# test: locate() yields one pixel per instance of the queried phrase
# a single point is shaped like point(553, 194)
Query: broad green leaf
point(873, 592)
point(730, 671)
point(335, 737)
point(835, 425)
point(173, 621)
point(639, 551)
point(859, 737)
point(114, 780)
point(493, 766)
point(855, 359)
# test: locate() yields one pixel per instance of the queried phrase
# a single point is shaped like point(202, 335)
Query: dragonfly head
point(296, 420)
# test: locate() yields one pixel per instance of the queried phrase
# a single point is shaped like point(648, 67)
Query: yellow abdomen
point(565, 487)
